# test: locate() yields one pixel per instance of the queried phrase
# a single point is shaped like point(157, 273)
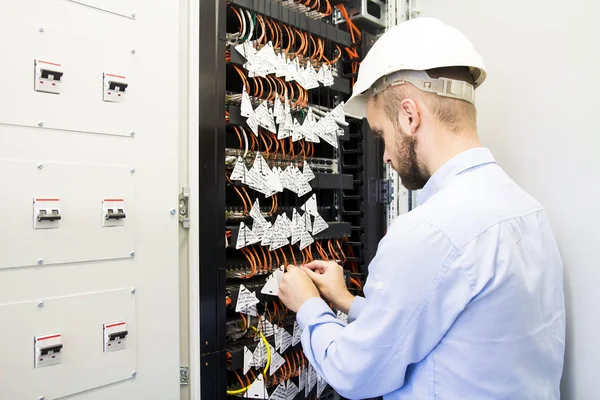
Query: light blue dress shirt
point(464, 299)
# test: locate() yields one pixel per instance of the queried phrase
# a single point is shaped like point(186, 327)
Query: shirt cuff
point(356, 308)
point(311, 309)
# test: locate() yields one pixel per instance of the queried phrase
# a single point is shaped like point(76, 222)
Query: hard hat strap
point(441, 86)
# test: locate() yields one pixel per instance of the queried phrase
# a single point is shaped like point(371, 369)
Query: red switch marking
point(117, 324)
point(51, 63)
point(48, 337)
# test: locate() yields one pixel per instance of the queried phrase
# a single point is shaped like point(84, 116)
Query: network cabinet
point(285, 177)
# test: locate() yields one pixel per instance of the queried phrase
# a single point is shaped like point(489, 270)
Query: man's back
point(508, 340)
point(464, 299)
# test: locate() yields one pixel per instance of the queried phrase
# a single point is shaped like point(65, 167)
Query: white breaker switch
point(113, 212)
point(115, 88)
point(47, 350)
point(46, 213)
point(115, 336)
point(47, 76)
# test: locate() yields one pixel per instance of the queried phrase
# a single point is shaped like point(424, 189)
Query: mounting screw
point(132, 291)
point(133, 15)
point(42, 30)
point(40, 261)
point(132, 134)
point(132, 170)
point(132, 254)
point(40, 166)
point(182, 211)
point(173, 211)
point(206, 364)
point(132, 51)
point(41, 398)
point(41, 304)
point(133, 374)
point(41, 123)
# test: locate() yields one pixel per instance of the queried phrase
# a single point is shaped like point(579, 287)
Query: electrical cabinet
point(286, 177)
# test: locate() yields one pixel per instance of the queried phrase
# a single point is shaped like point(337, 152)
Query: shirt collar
point(458, 164)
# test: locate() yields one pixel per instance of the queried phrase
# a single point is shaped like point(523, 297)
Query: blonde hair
point(456, 115)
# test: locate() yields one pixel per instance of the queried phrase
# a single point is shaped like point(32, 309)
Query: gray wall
point(538, 113)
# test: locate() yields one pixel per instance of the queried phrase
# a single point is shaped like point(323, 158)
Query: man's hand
point(329, 278)
point(296, 288)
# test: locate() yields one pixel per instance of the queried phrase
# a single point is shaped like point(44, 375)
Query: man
point(464, 298)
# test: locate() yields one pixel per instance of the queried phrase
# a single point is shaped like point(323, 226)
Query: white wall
point(88, 41)
point(538, 112)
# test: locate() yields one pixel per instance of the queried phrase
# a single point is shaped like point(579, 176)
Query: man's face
point(401, 149)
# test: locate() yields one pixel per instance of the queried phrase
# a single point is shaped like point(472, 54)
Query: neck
point(448, 145)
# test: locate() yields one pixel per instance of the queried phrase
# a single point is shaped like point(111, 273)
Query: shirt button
point(379, 285)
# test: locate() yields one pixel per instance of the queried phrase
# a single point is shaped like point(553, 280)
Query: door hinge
point(183, 207)
point(385, 191)
point(184, 377)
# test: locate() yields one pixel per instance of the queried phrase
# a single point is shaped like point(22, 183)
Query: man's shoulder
point(468, 207)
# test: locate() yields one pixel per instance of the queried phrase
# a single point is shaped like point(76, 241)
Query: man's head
point(416, 86)
point(411, 121)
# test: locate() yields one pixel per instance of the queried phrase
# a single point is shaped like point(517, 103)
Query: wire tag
point(306, 240)
point(286, 340)
point(301, 77)
point(239, 171)
point(280, 393)
point(328, 79)
point(252, 123)
point(321, 385)
point(257, 390)
point(271, 288)
point(307, 172)
point(245, 299)
point(307, 222)
point(312, 379)
point(297, 132)
point(245, 237)
point(297, 227)
point(246, 109)
point(302, 379)
point(292, 390)
point(282, 64)
point(276, 362)
point(338, 113)
point(311, 77)
point(342, 316)
point(268, 236)
point(319, 225)
point(311, 206)
point(248, 360)
point(297, 334)
point(278, 110)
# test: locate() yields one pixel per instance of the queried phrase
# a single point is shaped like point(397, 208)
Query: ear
point(409, 117)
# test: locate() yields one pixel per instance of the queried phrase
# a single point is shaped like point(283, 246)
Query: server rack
point(350, 196)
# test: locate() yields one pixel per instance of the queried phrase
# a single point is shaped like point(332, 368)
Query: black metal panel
point(297, 19)
point(374, 210)
point(332, 181)
point(213, 372)
point(211, 131)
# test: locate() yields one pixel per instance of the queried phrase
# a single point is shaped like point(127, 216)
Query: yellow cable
point(262, 337)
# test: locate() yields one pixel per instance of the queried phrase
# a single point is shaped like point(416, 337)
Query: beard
point(406, 163)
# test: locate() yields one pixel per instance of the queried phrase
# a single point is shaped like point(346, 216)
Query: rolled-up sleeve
point(412, 296)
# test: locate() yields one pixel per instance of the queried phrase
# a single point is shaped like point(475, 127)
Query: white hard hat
point(403, 53)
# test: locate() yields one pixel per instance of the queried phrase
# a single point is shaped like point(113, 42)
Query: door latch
point(183, 207)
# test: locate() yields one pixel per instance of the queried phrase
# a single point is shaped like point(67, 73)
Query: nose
point(386, 158)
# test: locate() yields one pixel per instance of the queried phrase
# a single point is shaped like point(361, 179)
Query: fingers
point(314, 276)
point(319, 266)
